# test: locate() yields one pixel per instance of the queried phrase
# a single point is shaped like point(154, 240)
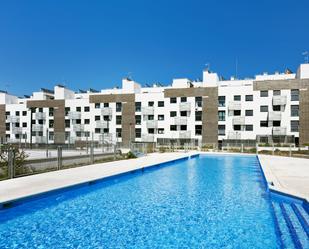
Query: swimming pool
point(203, 202)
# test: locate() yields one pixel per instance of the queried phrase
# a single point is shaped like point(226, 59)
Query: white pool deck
point(15, 189)
point(288, 175)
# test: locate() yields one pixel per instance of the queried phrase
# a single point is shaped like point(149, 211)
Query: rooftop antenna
point(306, 56)
point(207, 66)
point(130, 75)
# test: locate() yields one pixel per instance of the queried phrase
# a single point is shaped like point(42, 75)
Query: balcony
point(40, 139)
point(185, 106)
point(40, 115)
point(152, 124)
point(16, 130)
point(149, 110)
point(13, 119)
point(185, 134)
point(101, 124)
point(279, 100)
point(238, 120)
point(147, 138)
point(234, 105)
point(74, 115)
point(78, 127)
point(235, 135)
point(37, 127)
point(279, 131)
point(274, 116)
point(180, 121)
point(106, 111)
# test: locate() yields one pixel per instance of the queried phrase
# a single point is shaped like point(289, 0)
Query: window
point(249, 97)
point(78, 121)
point(86, 109)
point(263, 123)
point(161, 131)
point(106, 104)
point(183, 113)
point(138, 119)
point(118, 120)
point(97, 118)
point(78, 109)
point(294, 110)
point(118, 132)
point(51, 112)
point(32, 121)
point(40, 109)
point(249, 127)
point(161, 117)
point(276, 92)
point(118, 107)
point(173, 114)
point(294, 95)
point(160, 103)
point(17, 113)
point(237, 97)
point(198, 116)
point(249, 112)
point(221, 101)
point(97, 106)
point(276, 108)
point(198, 101)
point(138, 106)
point(24, 124)
point(40, 121)
point(276, 123)
point(51, 135)
point(173, 128)
point(7, 126)
point(138, 132)
point(183, 127)
point(87, 121)
point(294, 125)
point(198, 130)
point(263, 108)
point(183, 99)
point(24, 113)
point(51, 124)
point(150, 103)
point(173, 100)
point(221, 130)
point(67, 123)
point(16, 124)
point(221, 115)
point(150, 117)
point(67, 110)
point(106, 118)
point(97, 130)
point(150, 130)
point(237, 112)
point(237, 127)
point(106, 130)
point(263, 93)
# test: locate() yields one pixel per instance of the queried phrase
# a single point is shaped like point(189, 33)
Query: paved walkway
point(288, 174)
point(17, 188)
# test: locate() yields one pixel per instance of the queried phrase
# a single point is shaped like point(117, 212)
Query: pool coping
point(11, 202)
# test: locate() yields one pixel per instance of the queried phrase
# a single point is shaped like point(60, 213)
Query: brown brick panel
point(280, 84)
point(109, 98)
point(128, 123)
point(304, 117)
point(45, 103)
point(2, 121)
point(210, 117)
point(186, 92)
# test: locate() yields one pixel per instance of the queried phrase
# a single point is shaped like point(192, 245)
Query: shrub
point(130, 155)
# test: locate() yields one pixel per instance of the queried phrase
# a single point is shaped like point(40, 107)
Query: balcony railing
point(74, 115)
point(101, 124)
point(149, 110)
point(37, 127)
point(234, 135)
point(78, 127)
point(279, 131)
point(274, 116)
point(40, 139)
point(180, 121)
point(234, 105)
point(185, 134)
point(16, 130)
point(147, 138)
point(185, 106)
point(106, 111)
point(238, 120)
point(279, 100)
point(13, 119)
point(40, 115)
point(152, 124)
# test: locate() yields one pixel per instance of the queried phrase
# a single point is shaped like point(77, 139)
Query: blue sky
point(94, 44)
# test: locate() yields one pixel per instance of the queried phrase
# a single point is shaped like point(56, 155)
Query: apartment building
point(270, 108)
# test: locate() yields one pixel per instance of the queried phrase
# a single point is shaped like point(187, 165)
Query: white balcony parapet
point(234, 135)
point(78, 127)
point(14, 140)
point(149, 110)
point(238, 120)
point(101, 124)
point(13, 119)
point(274, 116)
point(152, 124)
point(279, 131)
point(74, 115)
point(106, 111)
point(16, 130)
point(40, 115)
point(37, 127)
point(185, 134)
point(234, 105)
point(279, 100)
point(40, 139)
point(180, 121)
point(185, 106)
point(147, 138)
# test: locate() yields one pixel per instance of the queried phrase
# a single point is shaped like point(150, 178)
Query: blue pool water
point(205, 202)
